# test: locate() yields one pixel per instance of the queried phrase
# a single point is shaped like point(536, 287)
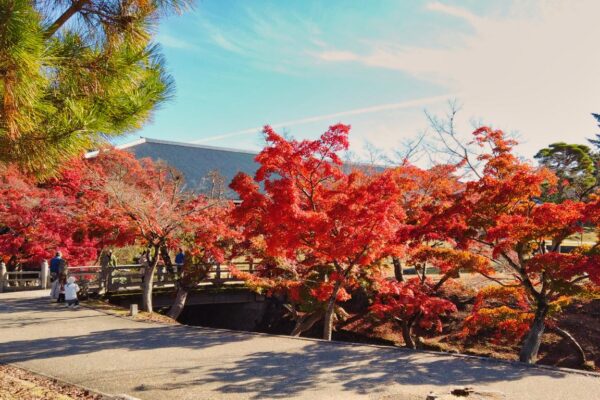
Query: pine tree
point(596, 140)
point(576, 169)
point(74, 73)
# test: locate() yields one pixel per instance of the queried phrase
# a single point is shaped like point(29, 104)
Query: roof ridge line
point(194, 145)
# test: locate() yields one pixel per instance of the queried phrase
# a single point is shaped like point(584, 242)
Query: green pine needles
point(74, 73)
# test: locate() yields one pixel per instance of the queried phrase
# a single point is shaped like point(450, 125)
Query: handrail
point(35, 273)
point(120, 277)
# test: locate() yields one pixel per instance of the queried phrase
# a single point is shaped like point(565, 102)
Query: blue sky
point(528, 67)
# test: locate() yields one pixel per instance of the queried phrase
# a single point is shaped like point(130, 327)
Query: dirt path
point(155, 361)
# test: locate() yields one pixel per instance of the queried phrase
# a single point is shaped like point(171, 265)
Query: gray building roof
point(195, 161)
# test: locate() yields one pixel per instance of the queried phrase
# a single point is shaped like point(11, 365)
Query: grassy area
point(16, 383)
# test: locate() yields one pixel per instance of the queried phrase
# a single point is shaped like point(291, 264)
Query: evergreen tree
point(596, 140)
point(74, 73)
point(576, 168)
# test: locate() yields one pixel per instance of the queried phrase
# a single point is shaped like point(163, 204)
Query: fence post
point(251, 266)
point(3, 276)
point(133, 310)
point(44, 275)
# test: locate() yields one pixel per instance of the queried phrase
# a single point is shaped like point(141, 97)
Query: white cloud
point(455, 11)
point(534, 70)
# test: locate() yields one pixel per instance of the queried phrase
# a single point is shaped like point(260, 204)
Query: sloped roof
point(195, 161)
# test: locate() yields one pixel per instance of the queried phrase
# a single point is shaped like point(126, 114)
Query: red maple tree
point(504, 218)
point(413, 302)
point(150, 199)
point(318, 230)
point(39, 219)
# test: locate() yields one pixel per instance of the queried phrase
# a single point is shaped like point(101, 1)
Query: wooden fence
point(120, 278)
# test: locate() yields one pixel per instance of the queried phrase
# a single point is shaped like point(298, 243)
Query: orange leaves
point(151, 199)
point(449, 259)
point(503, 313)
point(502, 211)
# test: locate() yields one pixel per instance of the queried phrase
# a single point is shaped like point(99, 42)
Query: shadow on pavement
point(144, 338)
point(357, 370)
point(268, 374)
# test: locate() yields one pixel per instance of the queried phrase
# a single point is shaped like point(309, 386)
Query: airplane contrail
point(356, 111)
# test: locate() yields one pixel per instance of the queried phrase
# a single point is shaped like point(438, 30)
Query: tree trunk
point(330, 312)
point(531, 344)
point(443, 280)
point(407, 335)
point(149, 283)
point(164, 253)
point(179, 302)
point(306, 322)
point(398, 271)
point(578, 349)
point(423, 275)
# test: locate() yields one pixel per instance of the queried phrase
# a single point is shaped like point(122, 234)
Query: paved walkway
point(152, 361)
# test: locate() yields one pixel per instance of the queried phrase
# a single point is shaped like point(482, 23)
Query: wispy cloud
point(534, 69)
point(269, 40)
point(456, 12)
point(333, 116)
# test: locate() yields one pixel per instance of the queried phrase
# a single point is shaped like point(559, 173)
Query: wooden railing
point(21, 280)
point(130, 277)
point(120, 278)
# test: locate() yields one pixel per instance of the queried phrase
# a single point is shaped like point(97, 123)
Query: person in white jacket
point(71, 289)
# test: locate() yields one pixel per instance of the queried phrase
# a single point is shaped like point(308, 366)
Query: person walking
point(107, 261)
point(179, 260)
point(55, 266)
point(180, 257)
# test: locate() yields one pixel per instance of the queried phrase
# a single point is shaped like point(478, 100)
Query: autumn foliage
point(318, 229)
point(411, 302)
point(320, 232)
point(504, 220)
point(39, 219)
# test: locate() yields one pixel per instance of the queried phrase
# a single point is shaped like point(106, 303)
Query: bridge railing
point(121, 277)
point(23, 280)
point(131, 276)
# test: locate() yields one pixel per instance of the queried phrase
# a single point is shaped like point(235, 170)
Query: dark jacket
point(55, 265)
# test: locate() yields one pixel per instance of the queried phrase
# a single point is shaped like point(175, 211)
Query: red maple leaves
point(322, 233)
point(323, 226)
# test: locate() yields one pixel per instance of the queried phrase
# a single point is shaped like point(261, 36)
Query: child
point(71, 289)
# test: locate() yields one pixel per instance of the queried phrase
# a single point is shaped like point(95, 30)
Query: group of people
point(64, 289)
point(171, 269)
